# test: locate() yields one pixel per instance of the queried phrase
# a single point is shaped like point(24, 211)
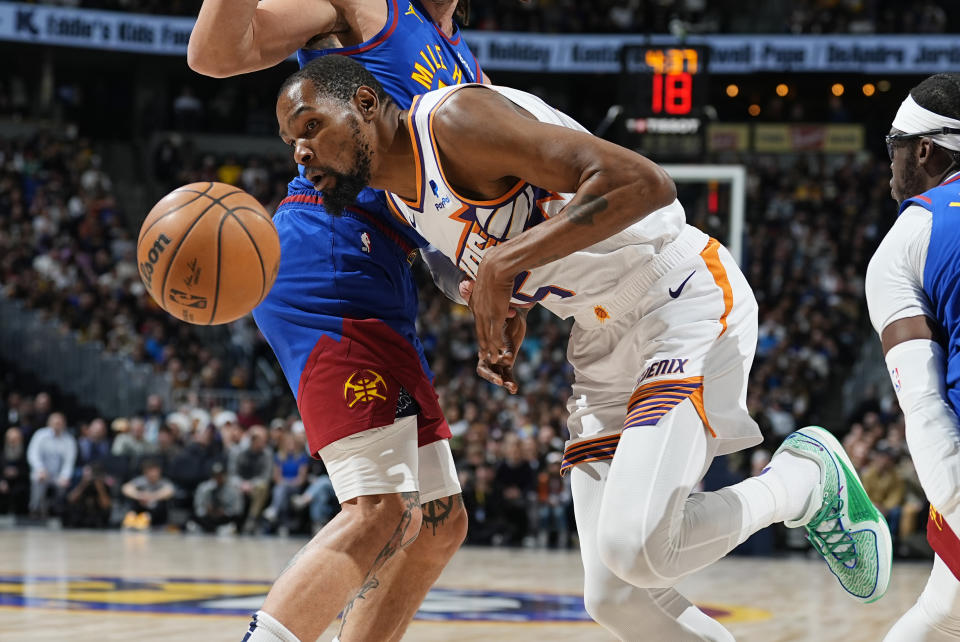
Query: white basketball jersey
point(463, 229)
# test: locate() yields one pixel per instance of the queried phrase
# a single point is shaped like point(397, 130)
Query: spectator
point(253, 467)
point(168, 447)
point(247, 415)
point(319, 495)
point(187, 110)
point(218, 502)
point(89, 503)
point(554, 504)
point(515, 481)
point(41, 409)
point(149, 496)
point(131, 438)
point(231, 433)
point(229, 172)
point(93, 446)
point(14, 474)
point(289, 476)
point(153, 417)
point(481, 502)
point(884, 485)
point(52, 454)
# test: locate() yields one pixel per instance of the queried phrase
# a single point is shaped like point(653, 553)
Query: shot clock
point(663, 90)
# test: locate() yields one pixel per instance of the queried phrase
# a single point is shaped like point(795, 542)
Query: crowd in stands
point(188, 469)
point(67, 250)
point(657, 16)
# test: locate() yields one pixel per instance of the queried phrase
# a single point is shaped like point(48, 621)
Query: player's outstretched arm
point(234, 37)
point(614, 187)
point(916, 361)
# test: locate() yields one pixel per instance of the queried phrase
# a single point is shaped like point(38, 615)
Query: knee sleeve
point(936, 615)
point(637, 556)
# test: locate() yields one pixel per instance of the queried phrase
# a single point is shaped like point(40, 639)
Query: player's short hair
point(337, 77)
point(940, 94)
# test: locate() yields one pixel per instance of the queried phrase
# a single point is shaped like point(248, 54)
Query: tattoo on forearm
point(583, 211)
point(435, 513)
point(411, 502)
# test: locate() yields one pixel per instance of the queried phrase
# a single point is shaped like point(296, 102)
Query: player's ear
point(367, 102)
point(924, 150)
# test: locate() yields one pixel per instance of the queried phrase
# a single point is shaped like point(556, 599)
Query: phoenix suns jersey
point(463, 229)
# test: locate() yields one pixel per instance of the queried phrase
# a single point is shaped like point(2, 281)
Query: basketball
point(208, 253)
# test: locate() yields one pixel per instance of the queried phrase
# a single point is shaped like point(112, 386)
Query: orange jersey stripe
point(678, 386)
point(711, 256)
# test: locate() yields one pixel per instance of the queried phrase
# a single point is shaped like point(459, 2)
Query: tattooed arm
point(614, 187)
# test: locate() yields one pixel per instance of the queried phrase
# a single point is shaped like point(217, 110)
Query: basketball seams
point(175, 209)
point(253, 242)
point(259, 212)
point(216, 290)
point(176, 250)
point(216, 201)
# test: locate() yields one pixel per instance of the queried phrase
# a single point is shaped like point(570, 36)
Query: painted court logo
point(240, 598)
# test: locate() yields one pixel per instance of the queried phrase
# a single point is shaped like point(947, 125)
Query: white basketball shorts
point(690, 335)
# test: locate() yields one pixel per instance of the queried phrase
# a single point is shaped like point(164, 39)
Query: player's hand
point(490, 302)
point(466, 289)
point(501, 374)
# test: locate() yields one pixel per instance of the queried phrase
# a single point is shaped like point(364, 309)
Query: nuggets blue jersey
point(356, 266)
point(941, 273)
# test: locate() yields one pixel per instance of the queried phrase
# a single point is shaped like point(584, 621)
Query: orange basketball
point(208, 253)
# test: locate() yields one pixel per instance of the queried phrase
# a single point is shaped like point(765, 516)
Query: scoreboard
point(663, 91)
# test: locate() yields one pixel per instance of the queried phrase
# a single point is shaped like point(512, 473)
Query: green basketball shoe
point(845, 528)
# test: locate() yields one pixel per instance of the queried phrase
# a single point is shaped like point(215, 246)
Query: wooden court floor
point(95, 586)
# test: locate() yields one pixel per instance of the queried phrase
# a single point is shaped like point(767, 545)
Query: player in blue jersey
point(341, 320)
point(913, 292)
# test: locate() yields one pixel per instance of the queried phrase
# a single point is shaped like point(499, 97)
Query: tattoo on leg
point(411, 502)
point(435, 513)
point(295, 558)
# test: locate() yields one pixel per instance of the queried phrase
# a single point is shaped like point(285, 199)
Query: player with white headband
point(913, 292)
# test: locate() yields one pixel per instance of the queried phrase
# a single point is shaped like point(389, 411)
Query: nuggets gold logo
point(936, 518)
point(364, 386)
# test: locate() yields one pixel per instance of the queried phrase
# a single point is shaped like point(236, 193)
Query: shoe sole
point(884, 543)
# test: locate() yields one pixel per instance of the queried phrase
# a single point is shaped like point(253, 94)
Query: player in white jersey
point(912, 294)
point(537, 210)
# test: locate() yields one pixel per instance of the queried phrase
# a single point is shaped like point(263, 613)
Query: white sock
point(266, 628)
point(791, 478)
point(705, 626)
point(779, 493)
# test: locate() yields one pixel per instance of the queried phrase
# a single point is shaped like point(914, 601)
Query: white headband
point(911, 118)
